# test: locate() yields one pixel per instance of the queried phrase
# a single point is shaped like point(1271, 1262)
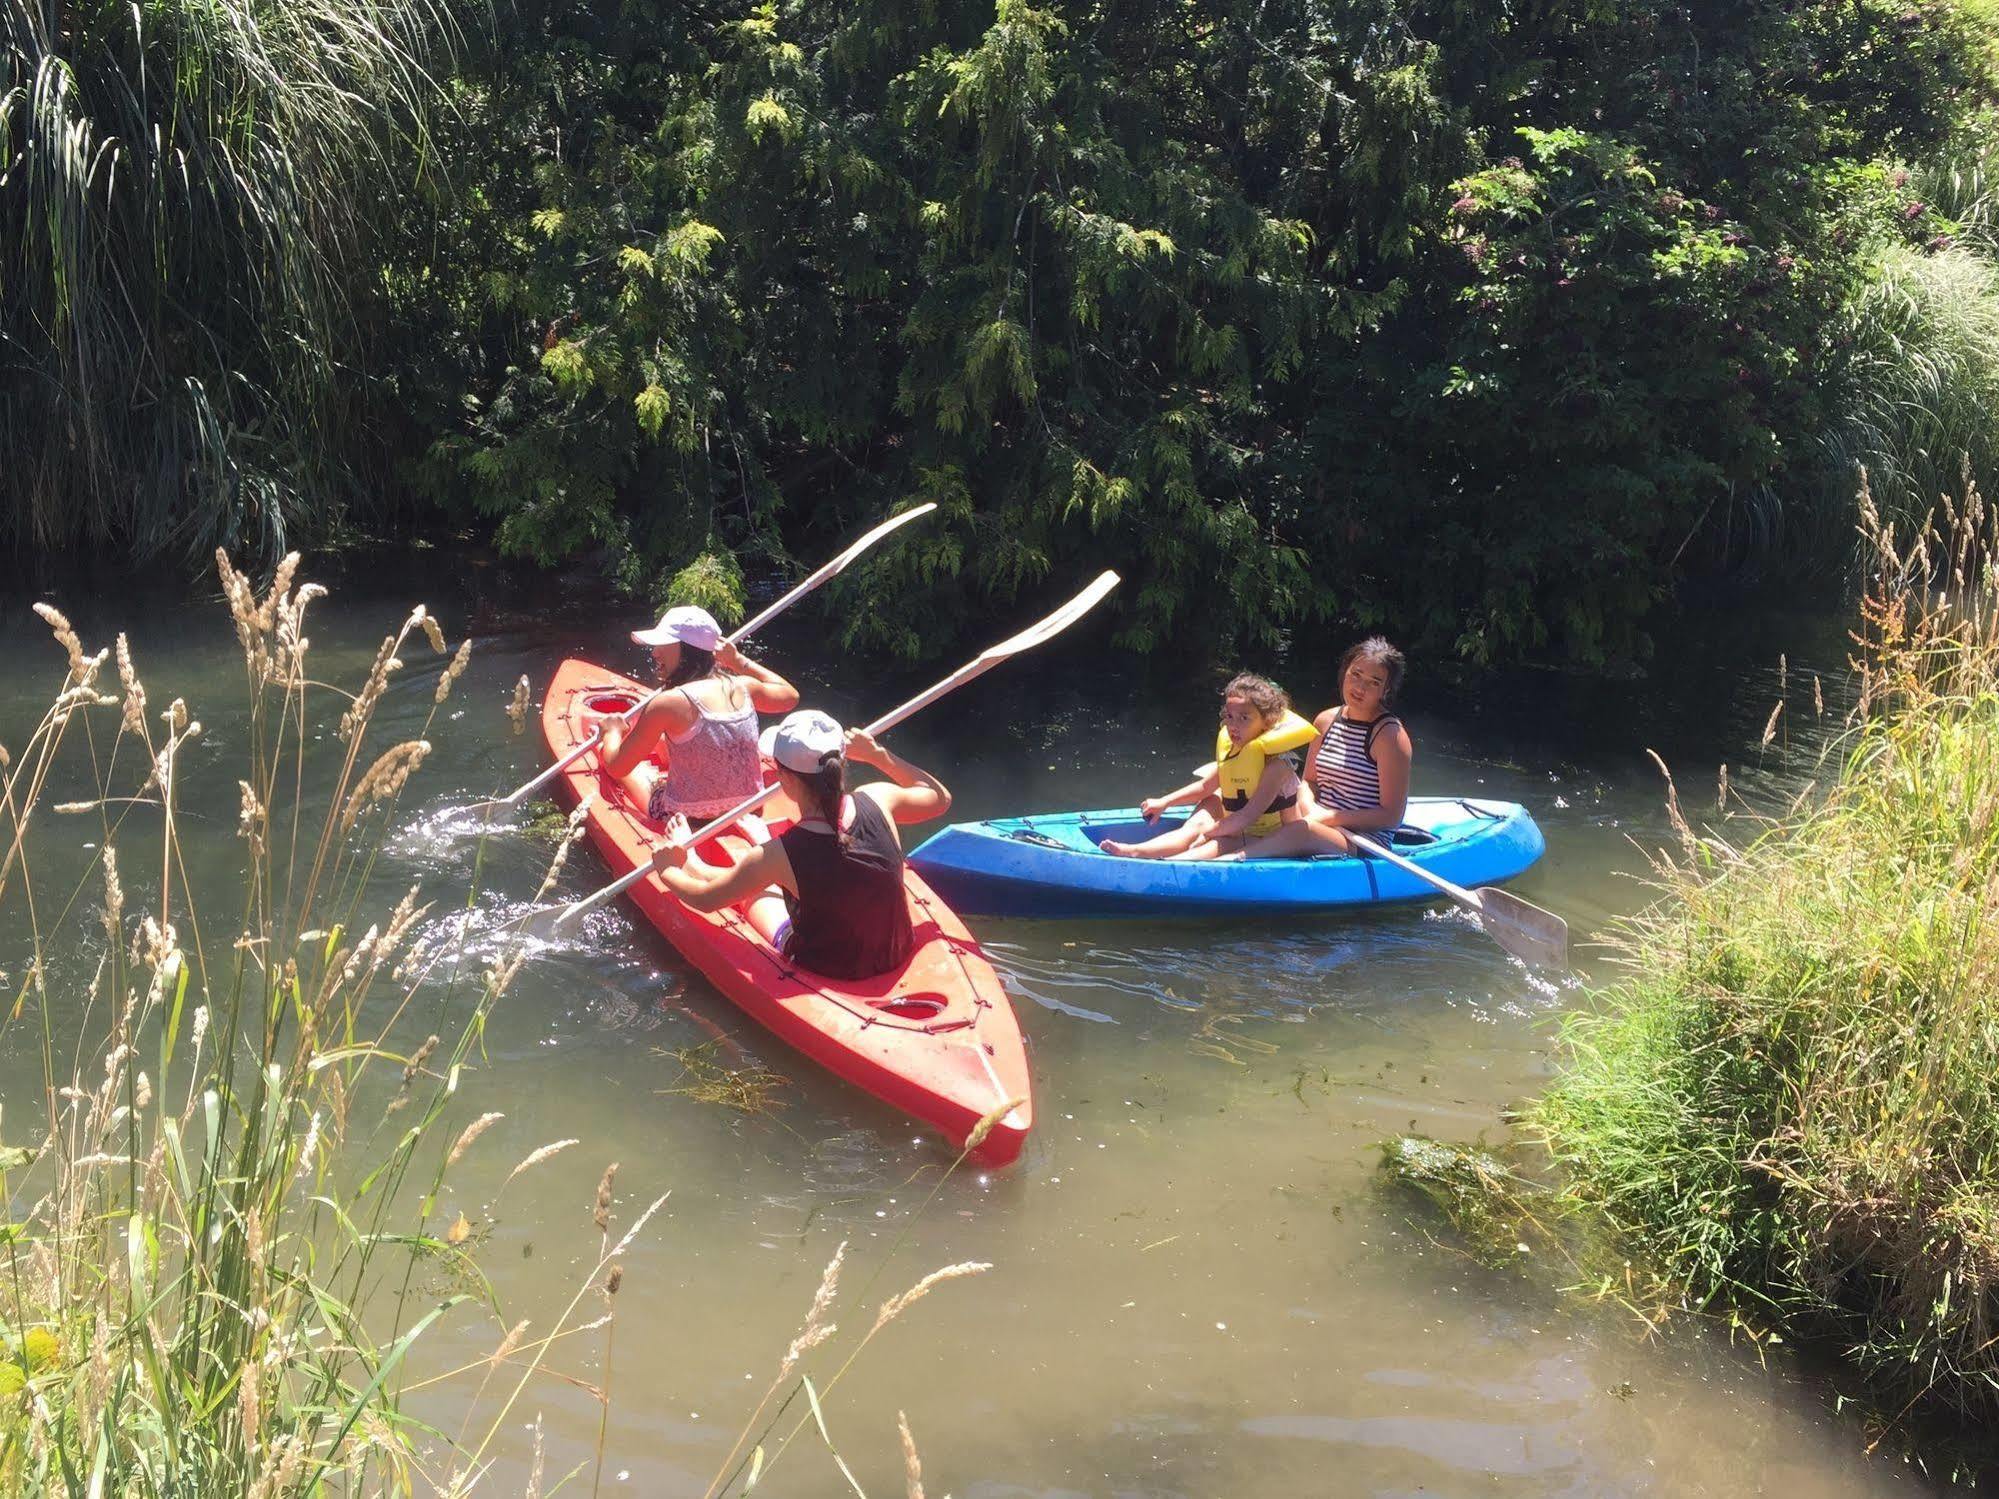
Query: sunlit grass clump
point(1792, 1098)
point(229, 1212)
point(216, 1209)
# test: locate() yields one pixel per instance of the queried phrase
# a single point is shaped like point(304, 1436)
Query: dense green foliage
point(1479, 324)
point(1790, 1101)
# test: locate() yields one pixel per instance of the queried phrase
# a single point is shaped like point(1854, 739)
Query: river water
point(1199, 1285)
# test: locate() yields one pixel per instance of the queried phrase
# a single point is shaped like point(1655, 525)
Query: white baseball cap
point(802, 741)
point(686, 624)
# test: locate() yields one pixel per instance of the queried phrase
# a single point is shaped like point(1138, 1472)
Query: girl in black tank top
point(848, 918)
point(827, 892)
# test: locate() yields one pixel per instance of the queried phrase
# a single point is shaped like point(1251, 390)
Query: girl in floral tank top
point(705, 730)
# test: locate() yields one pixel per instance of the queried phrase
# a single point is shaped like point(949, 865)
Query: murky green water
point(1198, 1288)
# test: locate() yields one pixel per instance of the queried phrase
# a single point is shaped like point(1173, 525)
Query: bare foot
point(1112, 846)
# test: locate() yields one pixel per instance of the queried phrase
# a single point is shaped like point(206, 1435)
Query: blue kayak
point(1050, 865)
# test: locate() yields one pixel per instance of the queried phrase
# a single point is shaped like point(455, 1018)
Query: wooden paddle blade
point(1536, 937)
point(1055, 623)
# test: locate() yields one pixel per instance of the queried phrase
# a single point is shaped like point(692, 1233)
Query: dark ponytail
point(829, 790)
point(694, 664)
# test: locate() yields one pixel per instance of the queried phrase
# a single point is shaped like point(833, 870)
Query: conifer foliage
point(1483, 324)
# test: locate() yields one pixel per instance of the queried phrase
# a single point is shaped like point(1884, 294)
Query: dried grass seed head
point(912, 1466)
point(470, 1133)
point(541, 1153)
point(600, 1213)
point(250, 820)
point(385, 779)
point(135, 690)
point(817, 1329)
point(896, 1305)
point(274, 598)
point(66, 637)
point(453, 670)
point(991, 1121)
point(363, 707)
point(1770, 725)
point(509, 1343)
point(114, 896)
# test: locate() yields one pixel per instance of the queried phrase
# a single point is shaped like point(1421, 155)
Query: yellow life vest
point(1239, 770)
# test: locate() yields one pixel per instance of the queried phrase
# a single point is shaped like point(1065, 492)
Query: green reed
point(1791, 1097)
point(220, 1236)
point(210, 1233)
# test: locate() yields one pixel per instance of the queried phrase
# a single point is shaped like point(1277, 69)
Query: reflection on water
point(1197, 1289)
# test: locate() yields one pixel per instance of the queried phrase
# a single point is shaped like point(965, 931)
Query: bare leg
point(638, 783)
point(767, 912)
point(1303, 839)
point(1166, 845)
point(1214, 848)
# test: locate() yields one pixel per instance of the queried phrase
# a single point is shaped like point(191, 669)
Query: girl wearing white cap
point(707, 724)
point(826, 892)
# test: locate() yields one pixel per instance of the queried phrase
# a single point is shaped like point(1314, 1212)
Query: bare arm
point(1277, 774)
point(706, 888)
point(769, 692)
point(1194, 791)
point(622, 749)
point(1393, 754)
point(913, 795)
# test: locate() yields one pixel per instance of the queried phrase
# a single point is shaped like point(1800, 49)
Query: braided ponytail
point(829, 789)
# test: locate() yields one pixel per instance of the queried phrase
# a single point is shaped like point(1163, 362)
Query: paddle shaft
point(1466, 898)
point(631, 715)
point(1053, 625)
point(1521, 927)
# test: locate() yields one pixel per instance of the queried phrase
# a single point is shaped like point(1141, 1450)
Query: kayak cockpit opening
point(1135, 830)
point(1402, 839)
point(606, 703)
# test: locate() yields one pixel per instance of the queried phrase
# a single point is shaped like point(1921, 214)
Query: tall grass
point(205, 1264)
point(1792, 1097)
point(185, 190)
point(1921, 379)
point(220, 1235)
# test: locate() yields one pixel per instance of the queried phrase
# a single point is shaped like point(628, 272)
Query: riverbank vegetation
point(1788, 1102)
point(1487, 325)
point(237, 1201)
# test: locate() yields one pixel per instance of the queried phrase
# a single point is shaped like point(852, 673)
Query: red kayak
point(936, 1038)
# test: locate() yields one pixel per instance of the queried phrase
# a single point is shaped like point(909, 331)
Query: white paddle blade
point(1027, 639)
point(1536, 937)
point(840, 562)
point(832, 569)
point(1055, 623)
point(538, 925)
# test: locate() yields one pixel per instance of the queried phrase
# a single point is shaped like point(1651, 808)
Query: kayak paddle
point(1534, 936)
point(546, 922)
point(631, 716)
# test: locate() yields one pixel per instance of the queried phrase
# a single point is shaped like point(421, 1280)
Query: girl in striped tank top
point(1357, 773)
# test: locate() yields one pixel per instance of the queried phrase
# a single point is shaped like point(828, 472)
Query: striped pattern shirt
point(1344, 775)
